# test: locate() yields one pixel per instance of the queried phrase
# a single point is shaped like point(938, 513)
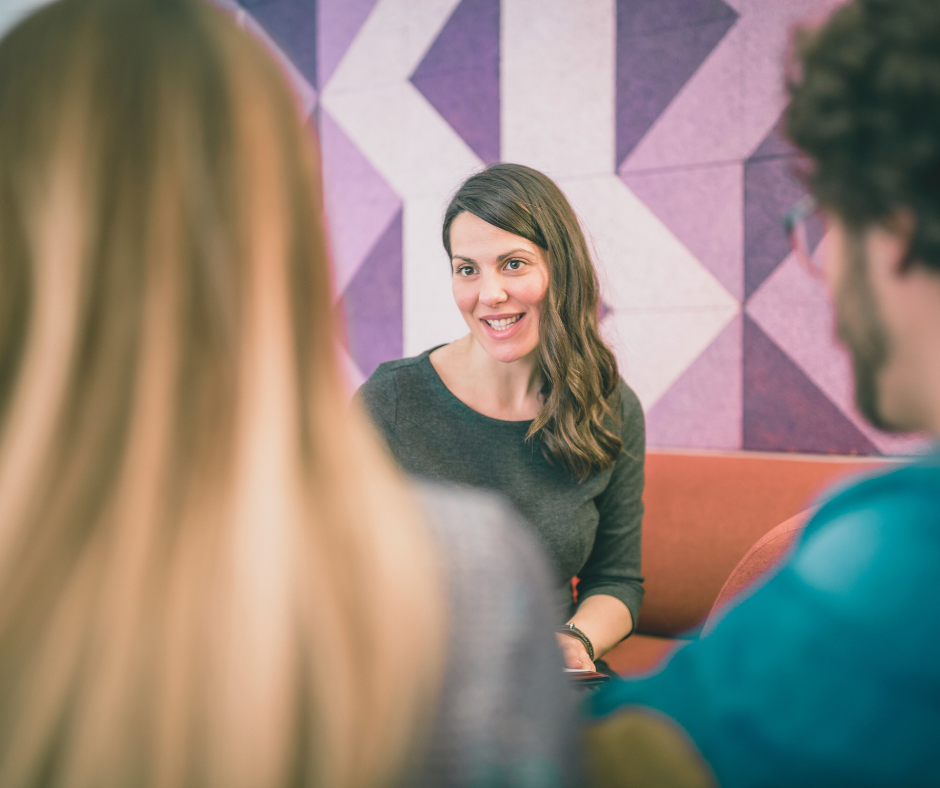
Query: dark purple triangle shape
point(784, 410)
point(771, 189)
point(373, 303)
point(660, 45)
point(459, 75)
point(292, 24)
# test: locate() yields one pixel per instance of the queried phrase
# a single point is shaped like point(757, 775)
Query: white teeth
point(503, 324)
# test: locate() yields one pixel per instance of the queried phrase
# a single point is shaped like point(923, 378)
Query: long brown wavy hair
point(205, 557)
point(580, 381)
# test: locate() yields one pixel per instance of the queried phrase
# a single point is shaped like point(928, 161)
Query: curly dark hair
point(865, 109)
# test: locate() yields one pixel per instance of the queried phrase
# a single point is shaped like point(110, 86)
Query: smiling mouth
point(503, 323)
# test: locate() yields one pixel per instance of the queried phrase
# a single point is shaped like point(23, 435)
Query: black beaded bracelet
point(573, 631)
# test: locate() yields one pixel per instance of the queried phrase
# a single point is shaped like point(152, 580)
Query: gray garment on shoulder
point(506, 715)
point(590, 529)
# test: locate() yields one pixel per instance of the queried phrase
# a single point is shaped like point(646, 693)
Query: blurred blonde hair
point(210, 574)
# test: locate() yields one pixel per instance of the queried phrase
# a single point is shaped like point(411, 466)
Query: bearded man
point(829, 673)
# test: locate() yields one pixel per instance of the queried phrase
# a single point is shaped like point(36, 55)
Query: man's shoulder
point(903, 485)
point(878, 537)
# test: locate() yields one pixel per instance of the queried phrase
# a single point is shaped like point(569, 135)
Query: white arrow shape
point(410, 145)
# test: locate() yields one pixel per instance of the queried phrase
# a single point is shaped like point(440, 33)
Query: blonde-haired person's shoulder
point(505, 708)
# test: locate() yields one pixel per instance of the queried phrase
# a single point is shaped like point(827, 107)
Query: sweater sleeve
point(613, 567)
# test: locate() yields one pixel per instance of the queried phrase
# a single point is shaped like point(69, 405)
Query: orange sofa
point(714, 523)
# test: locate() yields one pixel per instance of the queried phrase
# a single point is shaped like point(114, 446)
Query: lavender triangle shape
point(373, 303)
point(784, 410)
point(459, 75)
point(660, 45)
point(702, 409)
point(338, 24)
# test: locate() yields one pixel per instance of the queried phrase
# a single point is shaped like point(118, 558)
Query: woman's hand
point(574, 652)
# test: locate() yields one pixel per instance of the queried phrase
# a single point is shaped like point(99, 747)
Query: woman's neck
point(502, 390)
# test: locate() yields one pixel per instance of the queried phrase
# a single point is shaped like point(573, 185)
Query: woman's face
point(499, 281)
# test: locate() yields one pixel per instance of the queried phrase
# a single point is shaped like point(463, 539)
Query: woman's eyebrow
point(512, 252)
point(502, 257)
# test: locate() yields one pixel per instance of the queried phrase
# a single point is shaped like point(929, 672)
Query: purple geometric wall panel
point(702, 410)
point(697, 73)
point(683, 198)
point(359, 203)
point(459, 75)
point(338, 21)
point(784, 410)
point(373, 303)
point(660, 45)
point(292, 24)
point(770, 191)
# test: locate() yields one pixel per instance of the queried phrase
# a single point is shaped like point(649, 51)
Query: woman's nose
point(491, 290)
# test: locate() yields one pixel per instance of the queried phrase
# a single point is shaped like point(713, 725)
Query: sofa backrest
point(705, 510)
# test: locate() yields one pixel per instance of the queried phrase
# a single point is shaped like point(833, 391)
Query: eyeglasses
point(805, 227)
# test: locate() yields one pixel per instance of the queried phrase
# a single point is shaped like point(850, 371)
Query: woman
point(209, 573)
point(530, 403)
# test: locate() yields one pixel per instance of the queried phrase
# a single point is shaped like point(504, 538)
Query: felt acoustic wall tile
point(654, 347)
point(766, 38)
point(642, 264)
point(430, 315)
point(373, 303)
point(557, 92)
point(660, 45)
point(703, 207)
point(702, 409)
point(665, 306)
point(338, 22)
point(359, 203)
point(701, 121)
point(684, 95)
point(459, 75)
point(784, 410)
point(793, 309)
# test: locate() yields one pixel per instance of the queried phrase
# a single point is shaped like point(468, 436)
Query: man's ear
point(890, 242)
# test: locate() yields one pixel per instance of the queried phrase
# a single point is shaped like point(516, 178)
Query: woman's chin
point(508, 351)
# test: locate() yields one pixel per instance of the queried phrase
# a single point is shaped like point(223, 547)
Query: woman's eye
point(465, 270)
point(514, 265)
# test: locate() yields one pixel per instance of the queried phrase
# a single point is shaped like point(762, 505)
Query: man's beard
point(862, 332)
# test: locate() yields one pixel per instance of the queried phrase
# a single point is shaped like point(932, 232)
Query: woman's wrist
point(571, 630)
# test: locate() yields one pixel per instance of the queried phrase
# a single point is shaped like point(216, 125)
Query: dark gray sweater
point(590, 529)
